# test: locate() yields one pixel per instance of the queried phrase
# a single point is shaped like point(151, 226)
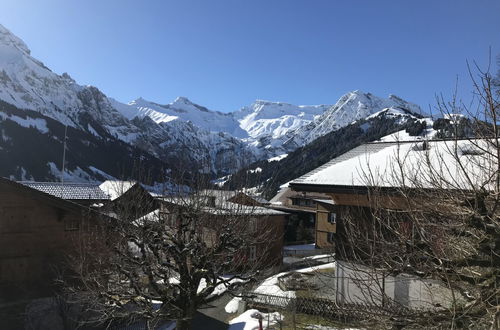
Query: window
point(330, 237)
point(253, 253)
point(332, 217)
point(71, 224)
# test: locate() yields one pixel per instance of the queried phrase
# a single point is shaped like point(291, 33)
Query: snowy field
point(249, 320)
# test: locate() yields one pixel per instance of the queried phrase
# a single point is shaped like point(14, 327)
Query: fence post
point(242, 306)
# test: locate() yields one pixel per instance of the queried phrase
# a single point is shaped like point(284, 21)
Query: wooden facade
point(300, 224)
point(37, 231)
point(244, 199)
point(268, 229)
point(136, 202)
point(366, 199)
point(270, 252)
point(326, 225)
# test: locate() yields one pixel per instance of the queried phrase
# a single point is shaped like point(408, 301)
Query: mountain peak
point(265, 102)
point(182, 99)
point(140, 102)
point(9, 39)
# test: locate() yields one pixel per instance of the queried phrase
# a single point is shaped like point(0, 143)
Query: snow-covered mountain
point(260, 126)
point(270, 128)
point(27, 83)
point(218, 142)
point(185, 110)
point(388, 124)
point(349, 108)
point(275, 119)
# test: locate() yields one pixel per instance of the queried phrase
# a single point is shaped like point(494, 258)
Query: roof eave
point(340, 189)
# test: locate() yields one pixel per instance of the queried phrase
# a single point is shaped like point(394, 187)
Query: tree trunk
point(183, 324)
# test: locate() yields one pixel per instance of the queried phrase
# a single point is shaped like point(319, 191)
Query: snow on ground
point(315, 268)
point(270, 285)
point(37, 123)
point(77, 175)
point(257, 170)
point(247, 320)
point(319, 256)
point(221, 288)
point(311, 246)
point(402, 135)
point(390, 112)
point(232, 305)
point(405, 136)
point(102, 173)
point(221, 181)
point(277, 158)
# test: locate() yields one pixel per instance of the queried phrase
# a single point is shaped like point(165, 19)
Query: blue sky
point(224, 54)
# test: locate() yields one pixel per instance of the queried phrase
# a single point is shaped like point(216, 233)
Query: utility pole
point(63, 159)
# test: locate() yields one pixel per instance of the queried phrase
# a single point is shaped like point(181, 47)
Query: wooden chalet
point(37, 232)
point(369, 177)
point(218, 205)
point(301, 223)
point(131, 201)
point(264, 221)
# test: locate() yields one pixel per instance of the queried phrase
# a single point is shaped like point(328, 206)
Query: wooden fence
point(319, 306)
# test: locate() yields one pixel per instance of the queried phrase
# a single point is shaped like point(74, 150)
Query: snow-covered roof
point(116, 188)
point(431, 164)
point(220, 195)
point(259, 199)
point(225, 195)
point(69, 190)
point(228, 208)
point(325, 201)
point(221, 207)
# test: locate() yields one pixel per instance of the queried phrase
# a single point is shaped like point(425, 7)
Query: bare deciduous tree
point(435, 216)
point(167, 256)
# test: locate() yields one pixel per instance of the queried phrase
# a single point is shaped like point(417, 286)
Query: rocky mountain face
point(349, 108)
point(31, 148)
point(212, 142)
point(268, 129)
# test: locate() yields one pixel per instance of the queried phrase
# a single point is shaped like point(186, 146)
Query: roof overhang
point(291, 209)
point(322, 188)
point(364, 190)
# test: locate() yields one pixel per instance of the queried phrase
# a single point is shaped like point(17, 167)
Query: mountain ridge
point(219, 143)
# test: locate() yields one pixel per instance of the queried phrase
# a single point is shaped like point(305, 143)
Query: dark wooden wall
point(35, 237)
